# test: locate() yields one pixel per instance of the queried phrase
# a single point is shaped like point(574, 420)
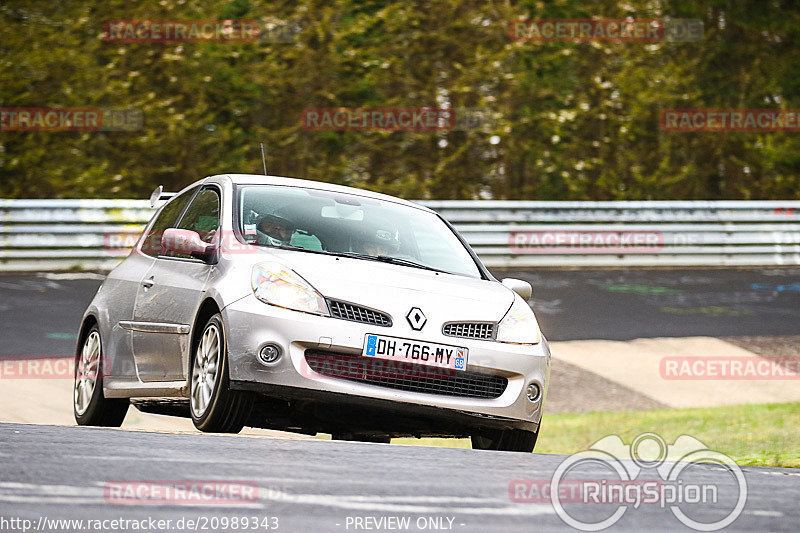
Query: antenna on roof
point(264, 159)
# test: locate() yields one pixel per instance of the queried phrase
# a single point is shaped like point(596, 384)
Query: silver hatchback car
point(295, 305)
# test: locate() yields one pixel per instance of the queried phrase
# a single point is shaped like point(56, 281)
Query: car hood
point(395, 289)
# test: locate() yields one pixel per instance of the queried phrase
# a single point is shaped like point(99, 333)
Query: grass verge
point(751, 434)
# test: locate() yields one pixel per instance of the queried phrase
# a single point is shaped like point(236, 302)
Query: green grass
point(751, 434)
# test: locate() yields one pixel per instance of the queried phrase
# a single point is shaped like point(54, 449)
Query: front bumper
point(251, 323)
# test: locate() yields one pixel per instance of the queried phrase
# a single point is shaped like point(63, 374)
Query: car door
point(144, 330)
point(118, 300)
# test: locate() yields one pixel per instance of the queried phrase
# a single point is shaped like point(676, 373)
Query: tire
point(508, 440)
point(89, 404)
point(213, 406)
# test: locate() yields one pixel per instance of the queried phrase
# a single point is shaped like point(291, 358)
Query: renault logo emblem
point(416, 318)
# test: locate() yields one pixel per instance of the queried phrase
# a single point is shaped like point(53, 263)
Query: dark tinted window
point(167, 218)
point(201, 216)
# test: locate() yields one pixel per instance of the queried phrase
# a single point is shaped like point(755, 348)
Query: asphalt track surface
point(50, 472)
point(316, 485)
point(40, 316)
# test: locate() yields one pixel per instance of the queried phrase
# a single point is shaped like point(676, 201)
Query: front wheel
point(214, 407)
point(89, 405)
point(509, 440)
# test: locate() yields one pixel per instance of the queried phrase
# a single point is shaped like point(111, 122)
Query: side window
point(166, 219)
point(202, 215)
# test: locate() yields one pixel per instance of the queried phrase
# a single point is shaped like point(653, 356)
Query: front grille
point(469, 330)
point(357, 313)
point(406, 376)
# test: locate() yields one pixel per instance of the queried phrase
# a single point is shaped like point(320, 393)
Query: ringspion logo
point(648, 472)
point(585, 491)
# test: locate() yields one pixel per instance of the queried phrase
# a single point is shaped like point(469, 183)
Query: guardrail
point(96, 234)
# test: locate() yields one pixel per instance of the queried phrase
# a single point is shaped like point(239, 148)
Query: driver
point(380, 243)
point(277, 229)
point(375, 248)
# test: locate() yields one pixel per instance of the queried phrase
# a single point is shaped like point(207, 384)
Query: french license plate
point(417, 352)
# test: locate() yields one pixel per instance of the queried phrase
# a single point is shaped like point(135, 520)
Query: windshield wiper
point(281, 246)
point(379, 258)
point(285, 246)
point(392, 260)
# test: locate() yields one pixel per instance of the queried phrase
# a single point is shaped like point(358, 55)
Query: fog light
point(533, 392)
point(269, 354)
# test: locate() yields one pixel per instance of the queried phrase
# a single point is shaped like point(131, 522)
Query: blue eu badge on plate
point(372, 341)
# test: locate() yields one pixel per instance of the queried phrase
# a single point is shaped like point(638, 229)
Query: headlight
point(277, 285)
point(519, 326)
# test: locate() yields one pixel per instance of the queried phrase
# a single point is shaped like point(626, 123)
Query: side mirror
point(186, 242)
point(523, 288)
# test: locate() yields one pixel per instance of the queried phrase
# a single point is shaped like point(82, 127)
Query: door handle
point(148, 282)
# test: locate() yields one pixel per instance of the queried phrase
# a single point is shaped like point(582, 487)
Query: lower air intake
point(405, 376)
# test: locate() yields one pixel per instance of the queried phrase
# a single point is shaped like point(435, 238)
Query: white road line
point(770, 473)
point(430, 499)
point(377, 504)
point(13, 492)
point(764, 513)
point(71, 276)
point(126, 458)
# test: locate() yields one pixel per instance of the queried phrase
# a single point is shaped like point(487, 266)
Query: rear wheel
point(214, 407)
point(509, 440)
point(90, 406)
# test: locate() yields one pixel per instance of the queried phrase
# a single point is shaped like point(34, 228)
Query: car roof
point(257, 179)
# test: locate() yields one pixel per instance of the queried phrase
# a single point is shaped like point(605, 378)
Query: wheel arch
point(88, 321)
point(208, 308)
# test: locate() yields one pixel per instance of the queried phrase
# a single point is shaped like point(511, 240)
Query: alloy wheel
point(86, 373)
point(204, 370)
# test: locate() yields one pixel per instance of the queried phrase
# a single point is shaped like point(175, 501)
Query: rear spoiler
point(159, 194)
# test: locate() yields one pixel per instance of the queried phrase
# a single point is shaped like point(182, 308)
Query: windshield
point(346, 224)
